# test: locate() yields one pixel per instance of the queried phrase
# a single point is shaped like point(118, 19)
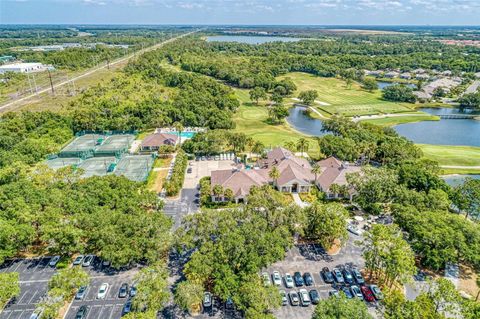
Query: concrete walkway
point(298, 200)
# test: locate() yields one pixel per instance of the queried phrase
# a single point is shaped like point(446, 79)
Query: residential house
point(406, 76)
point(153, 141)
point(391, 74)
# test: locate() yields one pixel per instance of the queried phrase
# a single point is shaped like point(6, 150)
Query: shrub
point(174, 184)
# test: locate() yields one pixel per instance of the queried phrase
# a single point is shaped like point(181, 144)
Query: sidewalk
point(299, 201)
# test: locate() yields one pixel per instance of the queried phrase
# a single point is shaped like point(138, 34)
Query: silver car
point(288, 281)
point(53, 262)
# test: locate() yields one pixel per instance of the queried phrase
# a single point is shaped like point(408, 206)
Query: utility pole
point(51, 82)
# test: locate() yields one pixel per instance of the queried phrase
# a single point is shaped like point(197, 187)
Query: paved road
point(128, 57)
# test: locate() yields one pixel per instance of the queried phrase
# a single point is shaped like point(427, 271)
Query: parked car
point(377, 293)
point(314, 296)
point(288, 280)
point(133, 291)
point(123, 291)
point(189, 170)
point(102, 291)
point(347, 292)
point(276, 278)
point(266, 279)
point(338, 276)
point(283, 294)
point(81, 293)
point(36, 315)
point(78, 260)
point(127, 307)
point(308, 278)
point(334, 293)
point(367, 294)
point(229, 304)
point(304, 297)
point(353, 229)
point(207, 300)
point(348, 277)
point(87, 261)
point(358, 276)
point(106, 263)
point(53, 262)
point(297, 277)
point(327, 275)
point(356, 292)
point(82, 312)
point(294, 300)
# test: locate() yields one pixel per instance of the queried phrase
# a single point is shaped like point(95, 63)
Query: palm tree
point(316, 169)
point(250, 144)
point(303, 145)
point(274, 174)
point(228, 194)
point(258, 148)
point(179, 128)
point(290, 145)
point(217, 190)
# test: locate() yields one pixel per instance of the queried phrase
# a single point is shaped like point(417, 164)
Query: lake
point(454, 180)
point(304, 123)
point(250, 39)
point(443, 132)
point(382, 84)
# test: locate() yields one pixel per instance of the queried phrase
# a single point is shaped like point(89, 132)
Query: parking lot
point(312, 258)
point(34, 276)
point(204, 168)
point(111, 306)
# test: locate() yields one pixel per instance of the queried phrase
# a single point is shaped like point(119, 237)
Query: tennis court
point(115, 145)
point(60, 162)
point(135, 167)
point(82, 146)
point(96, 166)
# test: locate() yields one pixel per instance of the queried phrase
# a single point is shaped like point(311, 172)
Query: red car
point(367, 294)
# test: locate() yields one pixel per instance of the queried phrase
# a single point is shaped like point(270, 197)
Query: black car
point(127, 307)
point(327, 275)
point(308, 278)
point(347, 275)
point(189, 170)
point(298, 279)
point(82, 312)
point(123, 291)
point(314, 296)
point(347, 292)
point(358, 277)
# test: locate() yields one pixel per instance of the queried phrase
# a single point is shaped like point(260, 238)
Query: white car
point(304, 297)
point(266, 279)
point(53, 262)
point(102, 291)
point(87, 261)
point(277, 278)
point(288, 281)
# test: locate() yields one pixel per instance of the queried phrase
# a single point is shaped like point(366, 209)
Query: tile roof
point(239, 181)
point(158, 139)
point(333, 172)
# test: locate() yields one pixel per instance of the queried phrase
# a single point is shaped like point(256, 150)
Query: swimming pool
point(184, 134)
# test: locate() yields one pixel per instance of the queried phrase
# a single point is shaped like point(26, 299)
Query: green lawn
point(392, 121)
point(252, 120)
point(346, 101)
point(452, 155)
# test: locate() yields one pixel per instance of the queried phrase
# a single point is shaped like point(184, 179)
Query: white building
point(22, 67)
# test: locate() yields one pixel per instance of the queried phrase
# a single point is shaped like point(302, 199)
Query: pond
point(443, 132)
point(454, 180)
point(250, 39)
point(304, 123)
point(382, 84)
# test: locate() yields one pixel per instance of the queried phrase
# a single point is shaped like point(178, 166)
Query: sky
point(280, 12)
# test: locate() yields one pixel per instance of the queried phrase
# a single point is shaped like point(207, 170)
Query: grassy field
point(342, 100)
point(452, 155)
point(252, 120)
point(395, 120)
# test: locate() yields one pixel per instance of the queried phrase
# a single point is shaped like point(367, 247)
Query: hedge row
point(174, 184)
